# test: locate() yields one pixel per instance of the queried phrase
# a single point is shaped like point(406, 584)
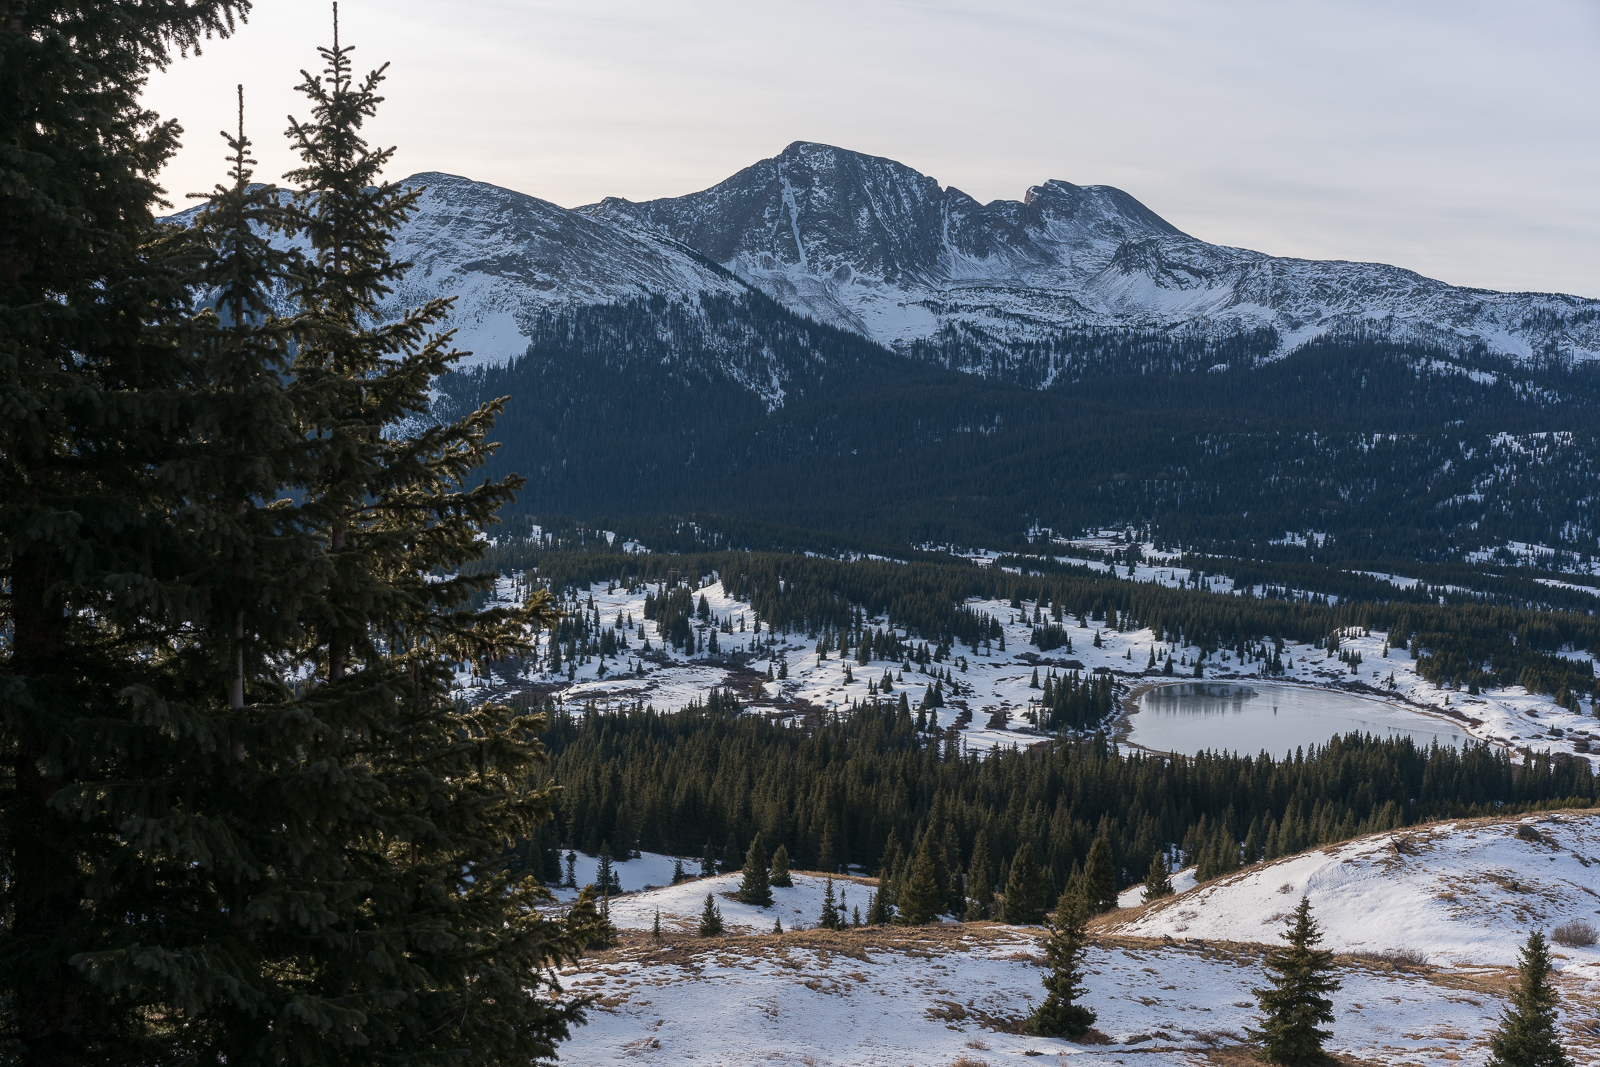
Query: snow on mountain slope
point(872, 245)
point(510, 257)
point(1463, 893)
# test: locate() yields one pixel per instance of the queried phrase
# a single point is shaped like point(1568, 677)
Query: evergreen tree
point(591, 922)
point(777, 924)
point(1061, 1015)
point(605, 875)
point(980, 895)
point(417, 916)
point(778, 874)
point(755, 889)
point(1527, 1034)
point(1297, 1001)
point(708, 860)
point(1100, 878)
point(710, 918)
point(101, 396)
point(921, 898)
point(877, 910)
point(655, 927)
point(1158, 882)
point(1025, 900)
point(678, 874)
point(830, 909)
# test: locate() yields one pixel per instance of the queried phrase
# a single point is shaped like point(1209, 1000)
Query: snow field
point(1463, 893)
point(933, 996)
point(799, 907)
point(1170, 982)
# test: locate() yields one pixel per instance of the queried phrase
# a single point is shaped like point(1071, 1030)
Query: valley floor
point(992, 693)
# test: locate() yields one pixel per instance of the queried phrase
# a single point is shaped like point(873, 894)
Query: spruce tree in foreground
point(778, 874)
point(96, 387)
point(710, 918)
point(366, 904)
point(1061, 1015)
point(1527, 1034)
point(1296, 1003)
point(754, 889)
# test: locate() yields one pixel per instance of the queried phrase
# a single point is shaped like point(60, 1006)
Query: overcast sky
point(1459, 139)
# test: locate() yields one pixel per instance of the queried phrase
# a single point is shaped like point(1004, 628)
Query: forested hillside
point(738, 408)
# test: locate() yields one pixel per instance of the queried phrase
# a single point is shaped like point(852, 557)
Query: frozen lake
point(1248, 717)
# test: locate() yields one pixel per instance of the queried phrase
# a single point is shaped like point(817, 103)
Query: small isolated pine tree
point(605, 875)
point(1527, 1035)
point(778, 874)
point(1061, 1015)
point(1025, 890)
point(1296, 1001)
point(655, 927)
point(1158, 882)
point(710, 918)
point(777, 925)
point(708, 860)
point(755, 889)
point(920, 897)
point(1100, 878)
point(593, 920)
point(830, 909)
point(678, 874)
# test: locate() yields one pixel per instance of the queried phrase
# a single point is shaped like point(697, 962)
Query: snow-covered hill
point(1171, 984)
point(872, 245)
point(1463, 893)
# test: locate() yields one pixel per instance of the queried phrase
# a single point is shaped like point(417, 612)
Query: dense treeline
point(863, 790)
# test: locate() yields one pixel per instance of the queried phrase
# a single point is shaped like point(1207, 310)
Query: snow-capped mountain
point(510, 257)
point(876, 248)
point(871, 245)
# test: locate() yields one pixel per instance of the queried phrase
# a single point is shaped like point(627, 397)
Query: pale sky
point(1460, 139)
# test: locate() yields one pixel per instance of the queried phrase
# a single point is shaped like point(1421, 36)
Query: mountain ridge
point(869, 244)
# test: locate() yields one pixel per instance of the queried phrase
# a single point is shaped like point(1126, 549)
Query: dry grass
point(1399, 957)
